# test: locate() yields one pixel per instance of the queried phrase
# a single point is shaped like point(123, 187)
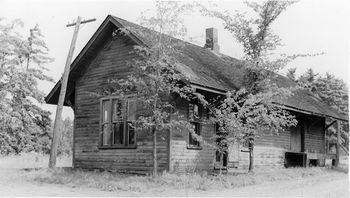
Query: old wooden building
point(210, 72)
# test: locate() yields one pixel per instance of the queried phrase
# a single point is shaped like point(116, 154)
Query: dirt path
point(335, 185)
point(320, 186)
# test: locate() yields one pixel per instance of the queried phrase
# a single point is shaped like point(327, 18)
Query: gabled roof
point(204, 68)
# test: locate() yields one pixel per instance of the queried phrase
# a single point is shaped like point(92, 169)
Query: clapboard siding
point(110, 62)
point(172, 152)
point(278, 140)
point(270, 148)
point(264, 156)
point(184, 159)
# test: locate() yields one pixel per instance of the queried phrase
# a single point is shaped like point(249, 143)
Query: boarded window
point(118, 122)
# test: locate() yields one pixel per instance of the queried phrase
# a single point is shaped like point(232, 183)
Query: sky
point(308, 26)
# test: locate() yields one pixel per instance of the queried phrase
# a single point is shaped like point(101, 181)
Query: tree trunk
point(251, 156)
point(221, 161)
point(154, 152)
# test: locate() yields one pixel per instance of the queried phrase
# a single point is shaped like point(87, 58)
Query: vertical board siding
point(110, 62)
point(314, 135)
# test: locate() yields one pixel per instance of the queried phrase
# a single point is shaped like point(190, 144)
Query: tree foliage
point(24, 125)
point(247, 113)
point(156, 75)
point(65, 146)
point(333, 91)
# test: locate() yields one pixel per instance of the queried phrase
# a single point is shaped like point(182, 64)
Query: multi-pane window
point(194, 116)
point(118, 123)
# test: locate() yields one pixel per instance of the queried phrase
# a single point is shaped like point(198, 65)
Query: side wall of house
point(269, 150)
point(314, 135)
point(110, 62)
point(185, 159)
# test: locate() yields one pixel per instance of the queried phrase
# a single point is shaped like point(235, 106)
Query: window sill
point(118, 147)
point(190, 147)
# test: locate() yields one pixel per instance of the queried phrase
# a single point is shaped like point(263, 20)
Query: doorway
point(297, 136)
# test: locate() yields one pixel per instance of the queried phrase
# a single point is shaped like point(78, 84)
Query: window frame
point(195, 121)
point(110, 123)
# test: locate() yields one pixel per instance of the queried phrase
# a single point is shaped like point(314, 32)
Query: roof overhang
point(286, 107)
point(52, 97)
point(99, 36)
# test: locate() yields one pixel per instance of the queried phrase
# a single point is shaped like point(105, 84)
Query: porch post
point(338, 144)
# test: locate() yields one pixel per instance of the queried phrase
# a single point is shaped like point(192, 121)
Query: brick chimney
point(211, 39)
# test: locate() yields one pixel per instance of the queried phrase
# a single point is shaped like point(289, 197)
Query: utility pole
point(57, 124)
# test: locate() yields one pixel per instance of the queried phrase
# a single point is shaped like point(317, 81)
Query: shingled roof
point(204, 68)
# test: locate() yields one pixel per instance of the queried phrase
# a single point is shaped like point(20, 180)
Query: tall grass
point(107, 181)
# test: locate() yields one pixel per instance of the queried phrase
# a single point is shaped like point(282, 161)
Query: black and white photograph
point(158, 98)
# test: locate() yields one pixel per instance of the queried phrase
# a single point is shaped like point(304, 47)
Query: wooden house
point(210, 72)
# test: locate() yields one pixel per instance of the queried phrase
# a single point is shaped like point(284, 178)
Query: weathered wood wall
point(270, 149)
point(184, 159)
point(110, 62)
point(314, 135)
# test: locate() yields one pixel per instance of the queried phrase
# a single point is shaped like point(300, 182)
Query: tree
point(332, 91)
point(24, 125)
point(250, 111)
point(156, 76)
point(291, 74)
point(65, 146)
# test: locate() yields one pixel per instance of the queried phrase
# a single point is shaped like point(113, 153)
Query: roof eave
point(48, 99)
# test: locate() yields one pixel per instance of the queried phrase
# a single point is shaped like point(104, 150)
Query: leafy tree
point(24, 125)
point(65, 146)
point(156, 75)
point(250, 111)
point(291, 74)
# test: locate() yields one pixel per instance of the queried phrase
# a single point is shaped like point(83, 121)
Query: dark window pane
point(217, 156)
point(224, 159)
point(194, 112)
point(118, 130)
point(196, 127)
point(131, 130)
point(106, 134)
point(117, 110)
point(132, 110)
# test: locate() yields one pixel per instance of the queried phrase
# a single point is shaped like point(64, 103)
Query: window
point(194, 116)
point(118, 123)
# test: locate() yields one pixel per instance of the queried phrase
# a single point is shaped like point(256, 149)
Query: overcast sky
point(309, 26)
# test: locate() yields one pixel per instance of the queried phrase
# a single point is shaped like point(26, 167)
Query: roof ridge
point(172, 37)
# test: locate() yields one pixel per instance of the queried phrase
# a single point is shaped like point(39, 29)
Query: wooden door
point(295, 139)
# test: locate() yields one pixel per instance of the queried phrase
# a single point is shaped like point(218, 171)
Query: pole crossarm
point(82, 22)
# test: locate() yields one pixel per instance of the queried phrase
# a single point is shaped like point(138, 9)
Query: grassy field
point(28, 175)
point(107, 181)
point(32, 160)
